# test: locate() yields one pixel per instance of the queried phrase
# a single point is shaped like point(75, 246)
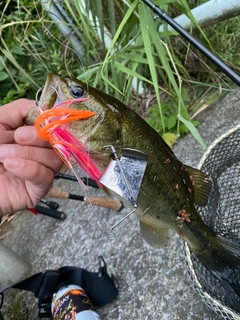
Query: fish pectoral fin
point(154, 235)
point(201, 185)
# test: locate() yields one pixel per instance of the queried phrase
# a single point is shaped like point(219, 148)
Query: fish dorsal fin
point(201, 185)
point(154, 235)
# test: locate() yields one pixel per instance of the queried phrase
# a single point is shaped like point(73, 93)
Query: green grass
point(15, 308)
point(179, 84)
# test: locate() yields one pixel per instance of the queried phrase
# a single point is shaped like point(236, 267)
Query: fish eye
point(77, 91)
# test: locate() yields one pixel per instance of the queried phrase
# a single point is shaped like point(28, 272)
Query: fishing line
point(54, 89)
point(166, 20)
point(61, 43)
point(37, 95)
point(111, 236)
point(105, 227)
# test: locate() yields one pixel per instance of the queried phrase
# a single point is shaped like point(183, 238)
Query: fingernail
point(26, 133)
point(6, 151)
point(14, 163)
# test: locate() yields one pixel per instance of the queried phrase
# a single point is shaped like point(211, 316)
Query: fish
point(170, 190)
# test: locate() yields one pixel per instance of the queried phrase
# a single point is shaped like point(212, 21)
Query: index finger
point(12, 114)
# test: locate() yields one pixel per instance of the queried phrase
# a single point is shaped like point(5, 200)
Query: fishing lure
point(52, 126)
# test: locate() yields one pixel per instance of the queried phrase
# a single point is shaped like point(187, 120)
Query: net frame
point(222, 155)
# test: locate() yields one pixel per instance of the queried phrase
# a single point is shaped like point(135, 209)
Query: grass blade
point(193, 130)
point(145, 25)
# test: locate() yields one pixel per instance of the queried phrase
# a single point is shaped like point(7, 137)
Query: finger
point(28, 136)
point(12, 114)
point(2, 169)
point(6, 136)
point(44, 156)
point(39, 176)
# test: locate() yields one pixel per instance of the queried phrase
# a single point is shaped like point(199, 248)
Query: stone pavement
point(152, 283)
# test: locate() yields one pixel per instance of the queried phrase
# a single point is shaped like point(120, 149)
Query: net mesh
point(222, 163)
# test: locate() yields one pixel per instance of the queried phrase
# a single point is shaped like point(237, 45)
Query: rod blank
point(208, 54)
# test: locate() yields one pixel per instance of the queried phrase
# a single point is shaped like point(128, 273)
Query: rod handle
point(105, 203)
point(57, 193)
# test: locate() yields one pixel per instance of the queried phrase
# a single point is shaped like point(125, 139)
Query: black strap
point(99, 286)
point(1, 302)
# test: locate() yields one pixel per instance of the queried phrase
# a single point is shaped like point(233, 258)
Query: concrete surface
point(152, 283)
point(9, 272)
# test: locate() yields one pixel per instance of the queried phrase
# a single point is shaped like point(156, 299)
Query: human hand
point(27, 163)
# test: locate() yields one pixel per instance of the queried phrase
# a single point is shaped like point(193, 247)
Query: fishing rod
point(208, 54)
point(86, 180)
point(111, 204)
point(52, 213)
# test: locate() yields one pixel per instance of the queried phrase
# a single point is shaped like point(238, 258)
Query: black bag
point(99, 287)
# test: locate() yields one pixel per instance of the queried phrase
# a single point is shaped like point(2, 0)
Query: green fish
point(169, 188)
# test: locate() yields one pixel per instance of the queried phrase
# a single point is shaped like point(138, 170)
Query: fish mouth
point(50, 93)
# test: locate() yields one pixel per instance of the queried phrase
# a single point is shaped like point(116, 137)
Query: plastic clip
point(45, 293)
point(44, 310)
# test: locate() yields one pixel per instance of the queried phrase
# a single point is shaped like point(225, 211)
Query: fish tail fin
point(236, 281)
point(233, 256)
point(222, 259)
